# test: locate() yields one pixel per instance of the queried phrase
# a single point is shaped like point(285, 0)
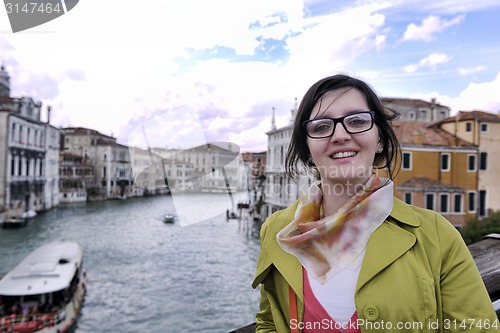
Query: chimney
point(433, 109)
point(48, 113)
point(453, 141)
point(418, 137)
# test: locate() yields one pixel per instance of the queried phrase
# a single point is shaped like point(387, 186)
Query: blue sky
point(193, 71)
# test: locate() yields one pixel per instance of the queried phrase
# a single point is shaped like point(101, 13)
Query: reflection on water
point(148, 276)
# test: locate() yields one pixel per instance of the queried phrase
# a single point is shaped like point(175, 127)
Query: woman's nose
point(340, 134)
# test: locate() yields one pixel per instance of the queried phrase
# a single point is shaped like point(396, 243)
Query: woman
point(348, 256)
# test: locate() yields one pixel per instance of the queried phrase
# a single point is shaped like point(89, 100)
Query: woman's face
point(343, 158)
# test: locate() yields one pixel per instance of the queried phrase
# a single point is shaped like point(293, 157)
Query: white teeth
point(344, 154)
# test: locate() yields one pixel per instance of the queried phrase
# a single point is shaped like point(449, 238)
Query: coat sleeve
point(264, 318)
point(466, 305)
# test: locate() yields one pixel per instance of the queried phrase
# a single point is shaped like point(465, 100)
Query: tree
point(475, 230)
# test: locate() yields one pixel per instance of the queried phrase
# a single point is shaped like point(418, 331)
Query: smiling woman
point(353, 256)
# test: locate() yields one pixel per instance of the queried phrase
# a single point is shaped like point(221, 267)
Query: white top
point(49, 268)
point(336, 295)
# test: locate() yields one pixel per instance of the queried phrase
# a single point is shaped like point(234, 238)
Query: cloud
point(476, 96)
point(449, 7)
point(471, 70)
point(432, 61)
point(431, 26)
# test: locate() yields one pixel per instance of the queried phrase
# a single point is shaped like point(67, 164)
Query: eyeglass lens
point(324, 127)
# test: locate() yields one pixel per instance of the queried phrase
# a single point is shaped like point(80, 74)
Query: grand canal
point(148, 276)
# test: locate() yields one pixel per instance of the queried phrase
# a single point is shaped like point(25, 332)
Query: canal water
point(148, 276)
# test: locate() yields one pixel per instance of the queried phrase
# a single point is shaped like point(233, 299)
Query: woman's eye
point(322, 127)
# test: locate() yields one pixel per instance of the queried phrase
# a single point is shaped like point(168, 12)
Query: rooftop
point(426, 184)
point(422, 133)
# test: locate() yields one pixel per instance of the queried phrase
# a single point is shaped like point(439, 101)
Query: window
point(406, 161)
point(472, 201)
point(471, 163)
point(482, 203)
point(468, 127)
point(443, 203)
point(104, 171)
point(442, 114)
point(12, 166)
point(429, 201)
point(423, 115)
point(408, 197)
point(457, 203)
point(484, 127)
point(483, 161)
point(411, 115)
point(445, 162)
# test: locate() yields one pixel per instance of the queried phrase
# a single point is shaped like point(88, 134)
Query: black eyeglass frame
point(341, 121)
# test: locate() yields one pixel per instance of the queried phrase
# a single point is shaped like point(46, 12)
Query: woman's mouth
point(344, 154)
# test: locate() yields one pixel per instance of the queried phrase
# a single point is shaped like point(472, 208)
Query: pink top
point(317, 320)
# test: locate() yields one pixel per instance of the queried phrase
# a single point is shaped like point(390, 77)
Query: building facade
point(28, 146)
point(437, 171)
point(111, 161)
point(416, 109)
point(483, 130)
point(281, 191)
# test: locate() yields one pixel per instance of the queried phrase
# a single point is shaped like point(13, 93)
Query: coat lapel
point(273, 255)
point(388, 242)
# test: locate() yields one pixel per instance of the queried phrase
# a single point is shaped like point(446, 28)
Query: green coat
point(417, 272)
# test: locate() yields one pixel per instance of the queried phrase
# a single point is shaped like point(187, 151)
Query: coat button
point(371, 313)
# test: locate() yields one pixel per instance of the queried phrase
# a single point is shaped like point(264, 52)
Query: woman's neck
point(336, 194)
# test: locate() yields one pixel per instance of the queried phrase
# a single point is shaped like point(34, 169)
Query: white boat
point(29, 214)
point(169, 218)
point(45, 291)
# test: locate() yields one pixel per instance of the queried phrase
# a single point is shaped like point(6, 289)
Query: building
point(281, 191)
point(483, 130)
point(416, 109)
point(76, 177)
point(156, 170)
point(437, 171)
point(52, 150)
point(27, 153)
point(111, 161)
point(255, 167)
point(213, 167)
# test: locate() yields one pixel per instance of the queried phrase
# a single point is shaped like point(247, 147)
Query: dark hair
point(298, 151)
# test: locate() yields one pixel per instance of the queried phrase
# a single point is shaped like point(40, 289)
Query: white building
point(213, 167)
point(52, 149)
point(23, 150)
point(280, 190)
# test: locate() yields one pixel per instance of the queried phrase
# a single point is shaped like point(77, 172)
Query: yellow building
point(482, 129)
point(438, 171)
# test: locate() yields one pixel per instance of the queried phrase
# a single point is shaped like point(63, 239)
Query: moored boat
point(14, 222)
point(45, 291)
point(169, 218)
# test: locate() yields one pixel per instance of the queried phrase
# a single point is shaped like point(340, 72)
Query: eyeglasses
point(353, 123)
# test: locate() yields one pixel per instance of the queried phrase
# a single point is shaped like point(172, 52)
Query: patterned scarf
point(325, 246)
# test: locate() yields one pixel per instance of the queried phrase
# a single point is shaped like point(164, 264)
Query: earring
point(380, 150)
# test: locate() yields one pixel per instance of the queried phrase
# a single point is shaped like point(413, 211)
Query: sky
point(181, 73)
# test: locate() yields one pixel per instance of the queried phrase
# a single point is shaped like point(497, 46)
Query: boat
point(45, 291)
point(29, 214)
point(169, 218)
point(14, 222)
